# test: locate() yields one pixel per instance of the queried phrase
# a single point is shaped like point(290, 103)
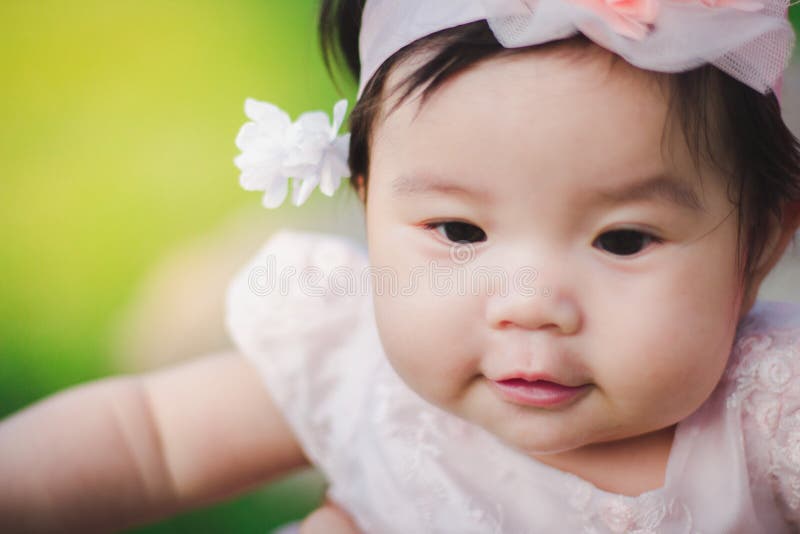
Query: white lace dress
point(398, 464)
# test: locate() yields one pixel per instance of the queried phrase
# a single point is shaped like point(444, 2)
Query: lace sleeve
point(294, 312)
point(767, 382)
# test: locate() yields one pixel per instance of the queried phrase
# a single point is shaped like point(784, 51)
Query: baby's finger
point(328, 519)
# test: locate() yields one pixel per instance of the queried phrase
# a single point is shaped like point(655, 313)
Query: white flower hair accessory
point(275, 150)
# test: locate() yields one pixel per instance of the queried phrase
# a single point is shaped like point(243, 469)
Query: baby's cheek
point(423, 346)
point(677, 329)
point(669, 375)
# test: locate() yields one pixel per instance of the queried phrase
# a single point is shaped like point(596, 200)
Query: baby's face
point(618, 261)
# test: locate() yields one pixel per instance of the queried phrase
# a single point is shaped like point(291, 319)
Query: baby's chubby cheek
point(657, 380)
point(429, 343)
point(656, 368)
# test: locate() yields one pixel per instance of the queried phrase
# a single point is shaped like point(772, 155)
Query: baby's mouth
point(539, 393)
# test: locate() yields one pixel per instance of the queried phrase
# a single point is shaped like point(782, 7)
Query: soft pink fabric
point(741, 5)
point(401, 465)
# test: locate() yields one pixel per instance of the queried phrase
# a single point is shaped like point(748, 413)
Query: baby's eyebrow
point(661, 186)
point(414, 184)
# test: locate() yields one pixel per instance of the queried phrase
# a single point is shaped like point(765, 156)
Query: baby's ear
point(361, 187)
point(784, 233)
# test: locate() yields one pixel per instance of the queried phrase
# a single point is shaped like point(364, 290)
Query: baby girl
point(570, 206)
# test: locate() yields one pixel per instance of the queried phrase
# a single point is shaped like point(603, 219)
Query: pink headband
point(751, 40)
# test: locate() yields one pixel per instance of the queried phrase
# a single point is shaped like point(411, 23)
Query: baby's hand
point(328, 519)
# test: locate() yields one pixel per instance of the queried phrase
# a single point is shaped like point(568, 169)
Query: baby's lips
point(538, 393)
point(529, 376)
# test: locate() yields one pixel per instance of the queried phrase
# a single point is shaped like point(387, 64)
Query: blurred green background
point(117, 123)
point(117, 128)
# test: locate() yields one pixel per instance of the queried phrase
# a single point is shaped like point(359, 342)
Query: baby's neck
point(628, 467)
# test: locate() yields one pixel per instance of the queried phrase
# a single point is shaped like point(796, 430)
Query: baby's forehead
point(580, 101)
point(570, 65)
point(585, 121)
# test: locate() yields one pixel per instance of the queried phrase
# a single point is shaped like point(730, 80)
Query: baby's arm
point(131, 449)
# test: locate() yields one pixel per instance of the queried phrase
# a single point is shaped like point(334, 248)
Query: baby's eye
point(458, 232)
point(625, 242)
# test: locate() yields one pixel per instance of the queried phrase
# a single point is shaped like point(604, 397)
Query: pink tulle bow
point(630, 18)
point(635, 18)
point(741, 5)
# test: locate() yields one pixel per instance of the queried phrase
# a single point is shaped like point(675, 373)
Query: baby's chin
point(545, 444)
point(525, 429)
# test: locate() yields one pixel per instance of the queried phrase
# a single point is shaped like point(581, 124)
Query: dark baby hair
point(725, 122)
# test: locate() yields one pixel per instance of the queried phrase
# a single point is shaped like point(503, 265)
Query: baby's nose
point(533, 308)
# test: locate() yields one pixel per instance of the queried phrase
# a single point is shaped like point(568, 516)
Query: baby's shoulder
point(763, 382)
point(766, 351)
point(298, 284)
point(300, 312)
